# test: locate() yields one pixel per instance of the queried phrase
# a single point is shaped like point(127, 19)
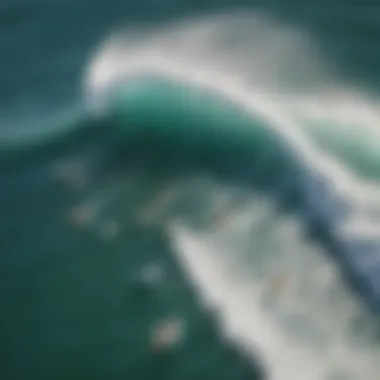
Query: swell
point(201, 131)
point(167, 109)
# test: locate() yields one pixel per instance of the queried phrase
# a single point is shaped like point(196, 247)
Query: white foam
point(287, 350)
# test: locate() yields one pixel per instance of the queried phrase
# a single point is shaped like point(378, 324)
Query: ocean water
point(189, 190)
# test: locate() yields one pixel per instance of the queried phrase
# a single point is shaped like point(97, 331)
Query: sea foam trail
point(305, 333)
point(293, 341)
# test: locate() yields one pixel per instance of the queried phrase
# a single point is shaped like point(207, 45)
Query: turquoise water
point(215, 177)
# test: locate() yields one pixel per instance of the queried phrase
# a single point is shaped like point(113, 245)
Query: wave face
point(231, 139)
